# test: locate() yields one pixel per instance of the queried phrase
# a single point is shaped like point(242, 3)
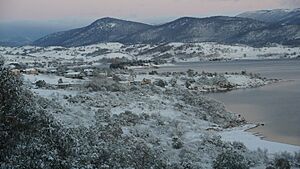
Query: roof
point(74, 73)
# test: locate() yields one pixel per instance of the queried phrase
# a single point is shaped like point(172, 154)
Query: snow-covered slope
point(102, 30)
point(282, 16)
point(184, 125)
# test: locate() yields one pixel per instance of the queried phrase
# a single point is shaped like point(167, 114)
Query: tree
point(61, 69)
point(190, 73)
point(282, 163)
point(160, 83)
point(41, 83)
point(29, 137)
point(2, 60)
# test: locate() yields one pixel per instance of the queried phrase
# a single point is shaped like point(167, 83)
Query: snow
point(73, 73)
point(47, 93)
point(254, 142)
point(111, 25)
point(242, 80)
point(51, 79)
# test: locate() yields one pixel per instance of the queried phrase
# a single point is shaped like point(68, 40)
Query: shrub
point(177, 142)
point(160, 83)
point(100, 84)
point(282, 163)
point(154, 72)
point(41, 83)
point(230, 160)
point(29, 137)
point(190, 73)
point(239, 146)
point(2, 60)
point(173, 82)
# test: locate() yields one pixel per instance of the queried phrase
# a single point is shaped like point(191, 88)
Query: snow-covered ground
point(179, 52)
point(51, 79)
point(158, 115)
point(254, 142)
point(169, 103)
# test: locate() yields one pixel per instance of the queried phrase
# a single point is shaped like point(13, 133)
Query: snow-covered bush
point(282, 163)
point(41, 83)
point(160, 83)
point(127, 118)
point(230, 160)
point(173, 82)
point(29, 136)
point(105, 84)
point(239, 146)
point(189, 82)
point(190, 73)
point(102, 115)
point(154, 72)
point(177, 142)
point(211, 110)
point(285, 160)
point(2, 61)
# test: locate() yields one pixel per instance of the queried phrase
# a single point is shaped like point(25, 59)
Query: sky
point(150, 11)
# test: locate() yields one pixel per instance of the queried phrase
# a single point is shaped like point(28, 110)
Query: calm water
point(276, 105)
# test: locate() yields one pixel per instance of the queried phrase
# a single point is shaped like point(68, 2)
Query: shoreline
point(254, 142)
point(269, 137)
point(265, 136)
point(259, 131)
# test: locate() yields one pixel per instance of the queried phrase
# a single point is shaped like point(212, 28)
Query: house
point(103, 74)
point(146, 81)
point(16, 72)
point(31, 71)
point(41, 70)
point(14, 65)
point(88, 72)
point(74, 75)
point(51, 70)
point(63, 85)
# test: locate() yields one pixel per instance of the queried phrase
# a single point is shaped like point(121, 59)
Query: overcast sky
point(139, 10)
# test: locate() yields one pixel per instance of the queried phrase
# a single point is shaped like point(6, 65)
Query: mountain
point(285, 35)
point(220, 29)
point(102, 30)
point(187, 29)
point(280, 16)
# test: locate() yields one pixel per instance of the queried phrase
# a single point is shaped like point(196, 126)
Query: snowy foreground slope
point(175, 52)
point(170, 114)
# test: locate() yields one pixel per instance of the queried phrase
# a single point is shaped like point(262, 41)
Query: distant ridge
point(222, 29)
point(102, 30)
point(280, 16)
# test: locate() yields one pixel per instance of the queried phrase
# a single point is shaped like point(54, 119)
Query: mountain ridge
point(279, 16)
point(221, 29)
point(102, 30)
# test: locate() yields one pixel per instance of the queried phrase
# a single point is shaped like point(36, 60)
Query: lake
point(276, 105)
